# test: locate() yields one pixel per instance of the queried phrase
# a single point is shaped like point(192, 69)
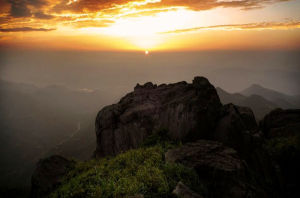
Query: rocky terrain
point(178, 140)
point(187, 111)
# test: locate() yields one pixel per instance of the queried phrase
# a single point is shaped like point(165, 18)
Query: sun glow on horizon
point(152, 25)
point(144, 31)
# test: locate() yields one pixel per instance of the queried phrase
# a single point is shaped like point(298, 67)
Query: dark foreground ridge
point(178, 140)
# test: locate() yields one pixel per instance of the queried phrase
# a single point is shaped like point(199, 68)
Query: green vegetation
point(159, 137)
point(138, 171)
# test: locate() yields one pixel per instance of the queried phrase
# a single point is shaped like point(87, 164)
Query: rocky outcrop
point(220, 169)
point(48, 175)
point(187, 111)
point(238, 129)
point(281, 123)
point(232, 156)
point(183, 191)
point(205, 154)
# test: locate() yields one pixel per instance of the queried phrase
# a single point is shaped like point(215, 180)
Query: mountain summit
point(178, 140)
point(188, 111)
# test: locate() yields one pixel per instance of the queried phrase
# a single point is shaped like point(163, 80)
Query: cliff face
point(187, 111)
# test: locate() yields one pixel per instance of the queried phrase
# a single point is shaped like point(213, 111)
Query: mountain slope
point(258, 104)
point(35, 120)
point(81, 144)
point(282, 100)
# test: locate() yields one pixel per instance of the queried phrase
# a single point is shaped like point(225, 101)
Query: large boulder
point(206, 154)
point(281, 123)
point(48, 175)
point(221, 171)
point(186, 111)
point(237, 128)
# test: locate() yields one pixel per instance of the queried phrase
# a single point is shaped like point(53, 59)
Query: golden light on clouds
point(148, 24)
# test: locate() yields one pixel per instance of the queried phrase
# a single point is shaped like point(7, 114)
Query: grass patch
point(139, 171)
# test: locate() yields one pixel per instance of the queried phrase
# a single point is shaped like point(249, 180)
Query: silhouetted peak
point(148, 85)
point(187, 110)
point(200, 81)
point(256, 86)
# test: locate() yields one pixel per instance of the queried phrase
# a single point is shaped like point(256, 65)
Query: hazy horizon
point(119, 72)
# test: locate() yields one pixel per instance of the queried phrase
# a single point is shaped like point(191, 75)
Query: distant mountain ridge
point(258, 104)
point(261, 100)
point(282, 100)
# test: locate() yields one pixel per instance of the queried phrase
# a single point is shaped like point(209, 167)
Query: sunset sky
point(166, 25)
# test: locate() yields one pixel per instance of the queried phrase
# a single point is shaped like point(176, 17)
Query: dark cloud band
point(25, 29)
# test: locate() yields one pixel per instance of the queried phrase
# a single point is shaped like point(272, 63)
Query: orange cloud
point(98, 12)
point(25, 29)
point(37, 8)
point(115, 5)
point(248, 26)
point(91, 23)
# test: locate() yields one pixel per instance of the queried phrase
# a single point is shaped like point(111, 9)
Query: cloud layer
point(25, 29)
point(247, 26)
point(46, 14)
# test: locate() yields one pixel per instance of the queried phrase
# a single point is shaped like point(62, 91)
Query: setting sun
point(150, 24)
point(95, 96)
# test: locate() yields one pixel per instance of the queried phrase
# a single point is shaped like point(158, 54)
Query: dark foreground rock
point(183, 191)
point(220, 169)
point(281, 123)
point(187, 111)
point(281, 129)
point(207, 154)
point(237, 128)
point(48, 175)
